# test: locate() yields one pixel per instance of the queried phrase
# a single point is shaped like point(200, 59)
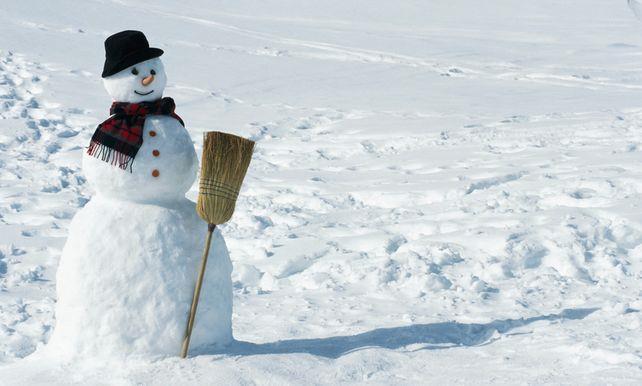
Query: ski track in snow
point(368, 244)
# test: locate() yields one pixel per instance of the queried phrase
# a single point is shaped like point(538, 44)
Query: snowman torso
point(164, 169)
point(127, 271)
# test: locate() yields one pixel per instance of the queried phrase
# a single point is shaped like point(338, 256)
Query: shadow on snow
point(433, 336)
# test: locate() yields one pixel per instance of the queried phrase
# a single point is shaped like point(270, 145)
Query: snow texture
point(443, 192)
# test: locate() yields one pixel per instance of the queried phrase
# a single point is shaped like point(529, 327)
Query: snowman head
point(133, 71)
point(141, 82)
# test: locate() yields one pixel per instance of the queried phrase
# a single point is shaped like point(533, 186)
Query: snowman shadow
point(432, 336)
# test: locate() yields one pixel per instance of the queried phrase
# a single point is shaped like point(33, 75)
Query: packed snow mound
point(126, 278)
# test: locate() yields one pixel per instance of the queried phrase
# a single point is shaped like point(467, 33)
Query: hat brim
point(130, 60)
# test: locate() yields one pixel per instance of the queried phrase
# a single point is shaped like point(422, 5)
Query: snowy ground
point(443, 192)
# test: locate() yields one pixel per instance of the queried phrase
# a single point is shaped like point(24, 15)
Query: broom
point(226, 158)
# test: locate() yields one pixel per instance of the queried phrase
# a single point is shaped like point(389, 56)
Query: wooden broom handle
point(197, 291)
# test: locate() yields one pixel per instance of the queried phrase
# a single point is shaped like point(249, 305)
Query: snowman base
point(126, 278)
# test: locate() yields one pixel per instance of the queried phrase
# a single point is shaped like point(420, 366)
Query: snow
point(441, 192)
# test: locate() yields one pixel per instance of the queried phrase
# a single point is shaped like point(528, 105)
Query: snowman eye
point(134, 71)
point(152, 72)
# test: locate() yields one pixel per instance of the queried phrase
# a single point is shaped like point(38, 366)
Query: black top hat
point(125, 49)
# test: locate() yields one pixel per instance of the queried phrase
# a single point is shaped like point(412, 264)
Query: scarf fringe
point(109, 155)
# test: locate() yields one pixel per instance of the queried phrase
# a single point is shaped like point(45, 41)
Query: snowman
point(128, 268)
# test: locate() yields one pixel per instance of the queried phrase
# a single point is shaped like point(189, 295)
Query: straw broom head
point(226, 158)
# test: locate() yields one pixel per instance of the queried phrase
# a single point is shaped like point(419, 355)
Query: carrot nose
point(147, 80)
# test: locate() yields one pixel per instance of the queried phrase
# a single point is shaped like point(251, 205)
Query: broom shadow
point(433, 336)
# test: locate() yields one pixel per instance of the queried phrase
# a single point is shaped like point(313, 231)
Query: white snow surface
point(442, 192)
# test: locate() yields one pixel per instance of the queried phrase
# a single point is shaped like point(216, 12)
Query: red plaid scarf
point(118, 139)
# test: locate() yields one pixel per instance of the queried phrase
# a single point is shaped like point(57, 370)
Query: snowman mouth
point(143, 93)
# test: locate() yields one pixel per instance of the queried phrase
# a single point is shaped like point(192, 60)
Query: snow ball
point(127, 86)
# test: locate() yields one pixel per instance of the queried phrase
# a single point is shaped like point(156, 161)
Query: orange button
point(155, 173)
point(155, 153)
point(152, 133)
